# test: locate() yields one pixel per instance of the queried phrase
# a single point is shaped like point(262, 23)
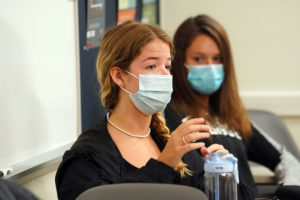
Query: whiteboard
point(38, 80)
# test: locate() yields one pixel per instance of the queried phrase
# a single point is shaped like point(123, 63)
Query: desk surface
point(262, 175)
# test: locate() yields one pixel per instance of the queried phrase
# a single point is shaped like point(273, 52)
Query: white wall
point(38, 83)
point(43, 187)
point(265, 42)
point(37, 80)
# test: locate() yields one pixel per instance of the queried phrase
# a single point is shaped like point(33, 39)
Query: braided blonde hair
point(119, 46)
point(159, 124)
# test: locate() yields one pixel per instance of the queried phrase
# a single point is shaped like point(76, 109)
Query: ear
point(117, 76)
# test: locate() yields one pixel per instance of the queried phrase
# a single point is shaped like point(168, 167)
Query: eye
point(218, 59)
point(168, 67)
point(197, 59)
point(150, 67)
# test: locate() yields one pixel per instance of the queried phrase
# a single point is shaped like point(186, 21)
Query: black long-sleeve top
point(95, 160)
point(257, 149)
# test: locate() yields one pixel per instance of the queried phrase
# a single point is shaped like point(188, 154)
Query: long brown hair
point(225, 105)
point(119, 46)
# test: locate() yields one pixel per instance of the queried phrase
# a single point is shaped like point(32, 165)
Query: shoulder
point(96, 138)
point(94, 145)
point(173, 117)
point(93, 151)
point(257, 136)
point(172, 111)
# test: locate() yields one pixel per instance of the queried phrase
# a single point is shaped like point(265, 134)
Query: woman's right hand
point(181, 141)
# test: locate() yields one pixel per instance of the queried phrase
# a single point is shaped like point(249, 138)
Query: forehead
point(156, 52)
point(156, 46)
point(202, 43)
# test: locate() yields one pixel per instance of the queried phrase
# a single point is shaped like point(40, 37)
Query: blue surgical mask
point(206, 79)
point(154, 92)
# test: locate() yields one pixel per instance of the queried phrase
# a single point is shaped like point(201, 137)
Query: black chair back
point(145, 191)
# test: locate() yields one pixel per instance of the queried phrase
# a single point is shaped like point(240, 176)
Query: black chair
point(12, 191)
point(145, 191)
point(275, 128)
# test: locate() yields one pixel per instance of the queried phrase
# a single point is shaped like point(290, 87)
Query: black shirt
point(95, 160)
point(257, 149)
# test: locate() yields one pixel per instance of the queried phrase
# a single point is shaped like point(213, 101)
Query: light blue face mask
point(206, 79)
point(154, 92)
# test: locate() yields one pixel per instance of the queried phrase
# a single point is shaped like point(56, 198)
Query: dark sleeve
point(289, 192)
point(11, 191)
point(76, 176)
point(79, 174)
point(153, 172)
point(195, 163)
point(246, 191)
point(173, 118)
point(260, 150)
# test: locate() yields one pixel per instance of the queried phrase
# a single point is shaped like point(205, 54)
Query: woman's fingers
point(216, 148)
point(194, 136)
point(192, 125)
point(223, 151)
point(193, 146)
point(196, 128)
point(213, 148)
point(195, 121)
point(181, 141)
point(204, 151)
point(172, 154)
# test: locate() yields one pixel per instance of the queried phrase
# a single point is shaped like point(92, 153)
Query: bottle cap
point(219, 163)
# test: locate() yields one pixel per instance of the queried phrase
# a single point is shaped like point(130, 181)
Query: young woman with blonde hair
point(133, 143)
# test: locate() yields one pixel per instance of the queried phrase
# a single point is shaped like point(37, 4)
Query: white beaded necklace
point(130, 134)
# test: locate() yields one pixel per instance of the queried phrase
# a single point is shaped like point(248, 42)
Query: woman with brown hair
point(205, 86)
point(133, 143)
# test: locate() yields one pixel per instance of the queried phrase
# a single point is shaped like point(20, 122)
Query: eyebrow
point(153, 58)
point(198, 53)
point(203, 54)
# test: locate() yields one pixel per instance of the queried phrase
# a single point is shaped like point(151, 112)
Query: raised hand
point(181, 141)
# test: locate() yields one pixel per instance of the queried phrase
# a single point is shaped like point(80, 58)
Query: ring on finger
point(183, 139)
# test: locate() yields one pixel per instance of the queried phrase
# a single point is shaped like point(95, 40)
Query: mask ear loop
point(125, 90)
point(131, 75)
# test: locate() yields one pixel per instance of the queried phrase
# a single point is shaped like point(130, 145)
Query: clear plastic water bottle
point(221, 176)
